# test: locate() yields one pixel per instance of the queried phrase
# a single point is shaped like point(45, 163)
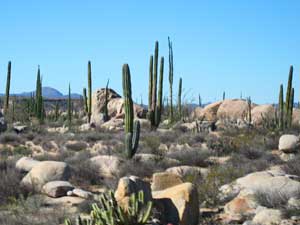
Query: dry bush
point(293, 166)
point(195, 157)
point(11, 138)
point(77, 146)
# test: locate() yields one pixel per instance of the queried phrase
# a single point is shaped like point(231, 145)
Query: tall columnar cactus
point(249, 102)
point(171, 74)
point(155, 97)
point(150, 86)
point(85, 101)
point(6, 104)
point(69, 108)
point(290, 112)
point(223, 95)
point(89, 91)
point(288, 98)
point(158, 110)
point(39, 97)
point(179, 98)
point(200, 101)
point(281, 109)
point(56, 111)
point(132, 128)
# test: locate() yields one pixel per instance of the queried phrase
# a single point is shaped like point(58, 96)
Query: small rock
point(268, 217)
point(288, 143)
point(81, 193)
point(107, 165)
point(56, 189)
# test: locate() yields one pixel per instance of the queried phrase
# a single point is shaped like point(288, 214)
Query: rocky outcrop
point(164, 180)
point(232, 109)
point(107, 165)
point(115, 106)
point(25, 164)
point(56, 189)
point(289, 143)
point(262, 113)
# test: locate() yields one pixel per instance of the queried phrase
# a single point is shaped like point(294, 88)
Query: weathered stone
point(45, 172)
point(25, 164)
point(289, 143)
point(107, 165)
point(164, 180)
point(268, 217)
point(262, 113)
point(181, 204)
point(56, 189)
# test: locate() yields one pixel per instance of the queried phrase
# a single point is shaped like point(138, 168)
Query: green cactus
point(171, 75)
point(6, 104)
point(89, 91)
point(288, 118)
point(150, 86)
point(179, 98)
point(132, 129)
point(158, 109)
point(155, 97)
point(56, 111)
point(108, 212)
point(290, 112)
point(281, 109)
point(69, 108)
point(200, 101)
point(39, 104)
point(223, 95)
point(85, 101)
point(249, 103)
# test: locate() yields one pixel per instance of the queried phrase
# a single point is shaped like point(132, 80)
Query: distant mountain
point(50, 93)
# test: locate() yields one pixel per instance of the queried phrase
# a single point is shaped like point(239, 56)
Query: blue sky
point(232, 46)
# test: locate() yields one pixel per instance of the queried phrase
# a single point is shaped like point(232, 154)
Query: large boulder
point(164, 180)
point(25, 164)
point(180, 203)
point(233, 109)
point(296, 117)
point(115, 106)
point(262, 113)
point(57, 189)
point(289, 143)
point(209, 112)
point(45, 172)
point(107, 165)
point(131, 185)
point(188, 173)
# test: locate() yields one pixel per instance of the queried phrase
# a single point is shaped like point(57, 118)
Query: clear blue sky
point(230, 46)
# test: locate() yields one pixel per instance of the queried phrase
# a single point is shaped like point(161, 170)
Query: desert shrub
point(150, 143)
point(293, 166)
point(276, 200)
point(76, 146)
point(10, 138)
point(21, 150)
point(10, 182)
point(195, 157)
point(220, 145)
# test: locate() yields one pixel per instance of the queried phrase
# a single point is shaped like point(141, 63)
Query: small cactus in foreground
point(108, 212)
point(132, 129)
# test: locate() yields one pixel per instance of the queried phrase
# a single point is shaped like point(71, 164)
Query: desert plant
point(6, 104)
point(179, 98)
point(223, 95)
point(105, 110)
point(171, 74)
point(85, 101)
point(89, 91)
point(132, 128)
point(249, 103)
point(69, 108)
point(281, 109)
point(200, 100)
point(288, 100)
point(155, 104)
point(39, 97)
point(108, 212)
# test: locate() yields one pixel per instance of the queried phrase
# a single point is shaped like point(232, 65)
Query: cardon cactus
point(132, 129)
point(6, 104)
point(89, 91)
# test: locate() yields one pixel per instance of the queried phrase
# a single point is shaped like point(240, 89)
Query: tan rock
point(261, 113)
point(107, 165)
point(25, 164)
point(180, 203)
point(164, 180)
point(268, 217)
point(45, 172)
point(56, 189)
point(233, 109)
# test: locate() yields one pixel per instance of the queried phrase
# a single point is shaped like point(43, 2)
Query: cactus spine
point(171, 73)
point(179, 98)
point(6, 104)
point(281, 108)
point(132, 129)
point(89, 91)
